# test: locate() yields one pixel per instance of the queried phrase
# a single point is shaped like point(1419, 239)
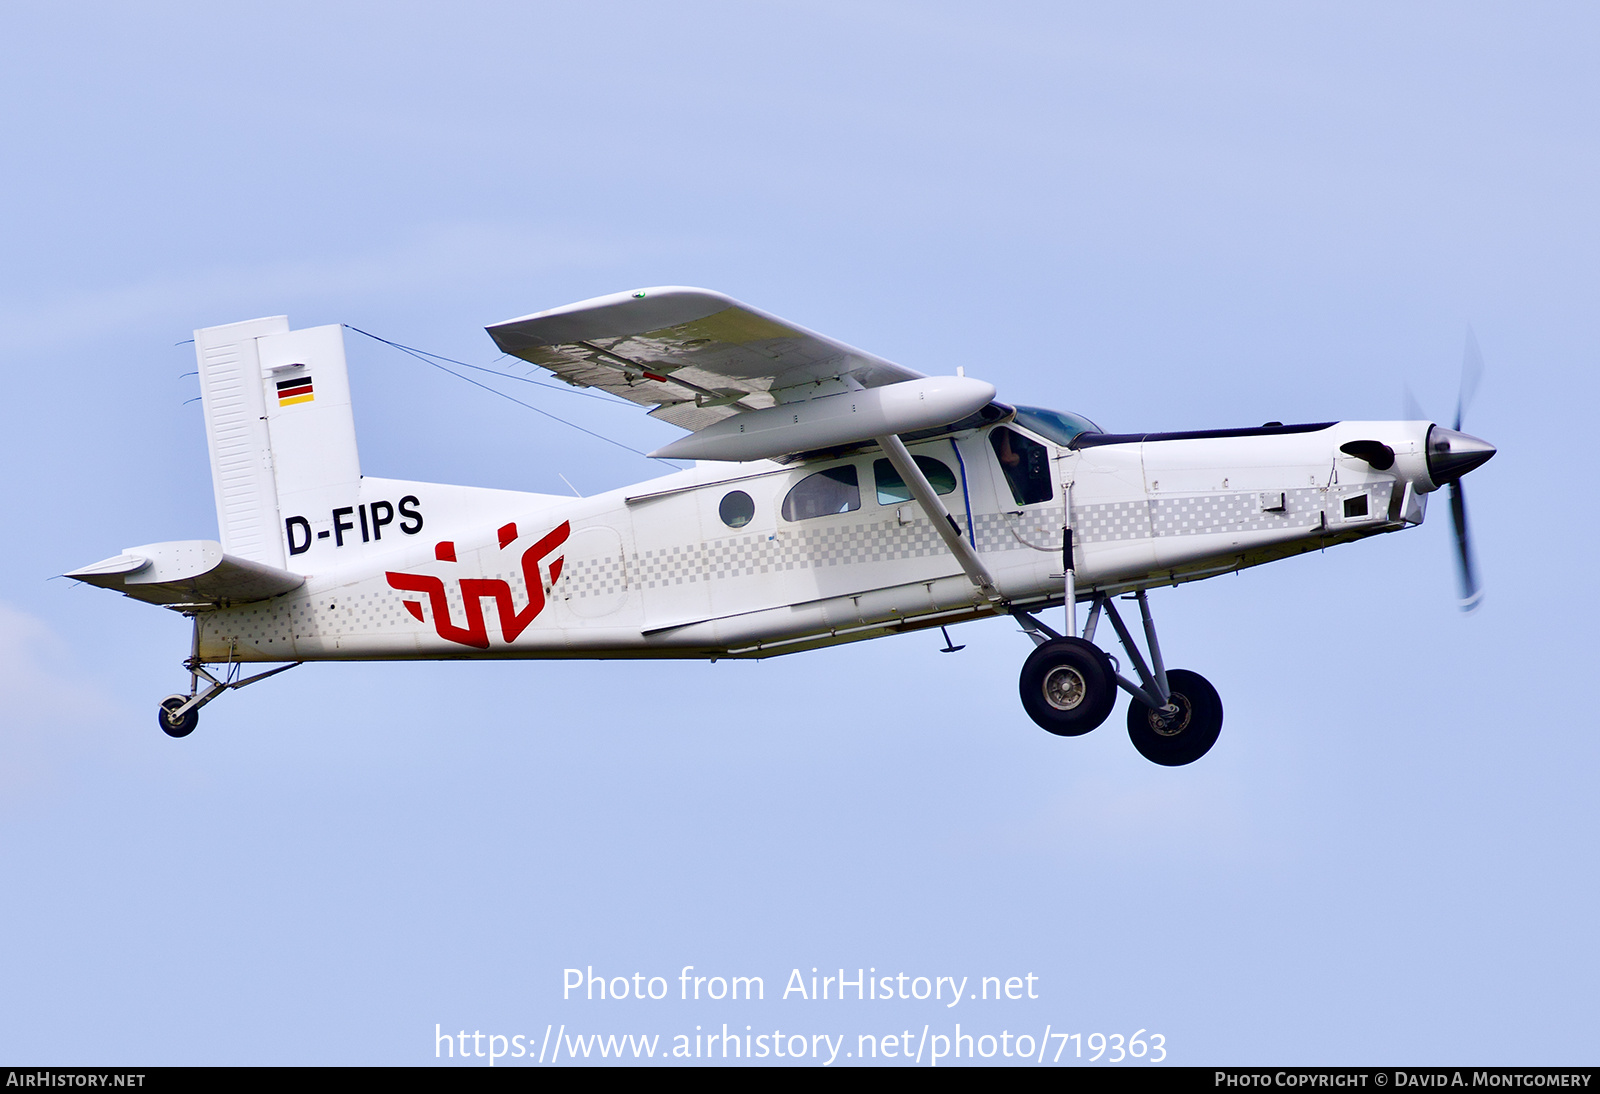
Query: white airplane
point(837, 497)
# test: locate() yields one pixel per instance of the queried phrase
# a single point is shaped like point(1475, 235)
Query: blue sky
point(1161, 216)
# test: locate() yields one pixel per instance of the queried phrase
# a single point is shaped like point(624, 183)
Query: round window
point(736, 509)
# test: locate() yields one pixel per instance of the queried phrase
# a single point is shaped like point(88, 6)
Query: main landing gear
point(179, 714)
point(1069, 685)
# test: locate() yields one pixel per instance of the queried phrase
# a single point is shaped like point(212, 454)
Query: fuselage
point(755, 560)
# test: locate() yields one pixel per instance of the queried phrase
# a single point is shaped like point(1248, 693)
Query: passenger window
point(736, 509)
point(1026, 465)
point(891, 491)
point(823, 494)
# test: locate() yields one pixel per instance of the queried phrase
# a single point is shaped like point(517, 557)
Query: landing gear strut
point(1068, 687)
point(179, 714)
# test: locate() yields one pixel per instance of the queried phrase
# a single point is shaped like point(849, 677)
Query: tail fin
point(280, 430)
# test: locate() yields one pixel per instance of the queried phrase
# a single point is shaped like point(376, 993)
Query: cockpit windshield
point(1057, 425)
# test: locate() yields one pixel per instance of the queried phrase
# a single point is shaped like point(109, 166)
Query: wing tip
point(617, 299)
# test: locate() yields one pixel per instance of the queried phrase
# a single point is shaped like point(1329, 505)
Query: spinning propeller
point(1451, 454)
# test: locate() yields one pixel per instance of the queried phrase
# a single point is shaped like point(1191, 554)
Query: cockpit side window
point(835, 490)
point(1026, 464)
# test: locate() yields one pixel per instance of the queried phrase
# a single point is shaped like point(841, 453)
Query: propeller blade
point(1466, 563)
point(1411, 409)
point(1471, 375)
point(1451, 454)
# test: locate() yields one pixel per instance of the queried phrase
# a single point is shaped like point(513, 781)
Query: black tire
point(184, 725)
point(1068, 686)
point(1191, 734)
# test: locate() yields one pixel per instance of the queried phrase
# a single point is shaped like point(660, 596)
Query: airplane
point(836, 497)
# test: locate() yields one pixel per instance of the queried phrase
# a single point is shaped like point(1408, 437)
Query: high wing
point(697, 357)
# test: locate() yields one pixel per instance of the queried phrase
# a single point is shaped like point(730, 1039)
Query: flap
point(188, 575)
point(694, 355)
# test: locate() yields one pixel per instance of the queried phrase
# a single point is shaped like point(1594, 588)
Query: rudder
point(279, 429)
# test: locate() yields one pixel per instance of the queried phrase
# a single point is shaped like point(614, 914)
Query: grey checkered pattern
point(1039, 529)
point(1210, 514)
point(889, 540)
point(586, 578)
point(792, 549)
point(1113, 520)
point(816, 547)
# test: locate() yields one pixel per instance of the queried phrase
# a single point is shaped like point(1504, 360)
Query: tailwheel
point(183, 724)
point(203, 687)
point(1180, 738)
point(1068, 686)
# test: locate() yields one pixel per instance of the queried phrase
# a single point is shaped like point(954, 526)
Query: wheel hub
point(1064, 688)
point(1170, 725)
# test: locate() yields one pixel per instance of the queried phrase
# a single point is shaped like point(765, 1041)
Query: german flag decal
point(291, 392)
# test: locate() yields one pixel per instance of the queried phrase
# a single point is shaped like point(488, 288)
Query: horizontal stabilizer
point(188, 575)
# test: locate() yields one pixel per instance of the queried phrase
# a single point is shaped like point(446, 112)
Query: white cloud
point(45, 712)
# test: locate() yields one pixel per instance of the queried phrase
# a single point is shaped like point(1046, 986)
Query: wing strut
point(938, 515)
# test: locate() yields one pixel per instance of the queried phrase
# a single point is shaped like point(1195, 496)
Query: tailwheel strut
point(178, 715)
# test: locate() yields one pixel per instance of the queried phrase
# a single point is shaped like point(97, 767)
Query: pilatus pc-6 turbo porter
point(837, 497)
